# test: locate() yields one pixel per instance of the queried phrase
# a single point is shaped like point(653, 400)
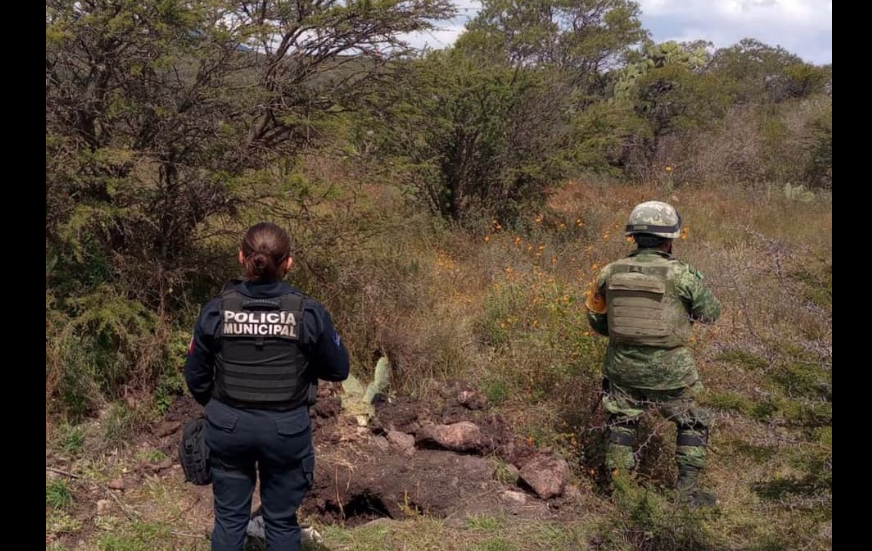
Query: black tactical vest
point(260, 364)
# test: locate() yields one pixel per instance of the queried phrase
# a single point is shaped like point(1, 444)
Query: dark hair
point(265, 247)
point(649, 241)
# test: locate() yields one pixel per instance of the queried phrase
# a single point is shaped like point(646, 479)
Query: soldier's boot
point(691, 454)
point(689, 490)
point(620, 459)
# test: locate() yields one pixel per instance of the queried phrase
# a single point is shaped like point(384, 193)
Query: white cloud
point(448, 31)
point(441, 37)
point(802, 26)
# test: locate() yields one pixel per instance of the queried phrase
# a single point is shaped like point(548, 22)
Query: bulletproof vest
point(644, 308)
point(260, 364)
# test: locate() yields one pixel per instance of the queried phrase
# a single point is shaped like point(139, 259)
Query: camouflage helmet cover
point(655, 218)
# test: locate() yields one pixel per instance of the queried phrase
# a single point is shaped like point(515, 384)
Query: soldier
point(647, 304)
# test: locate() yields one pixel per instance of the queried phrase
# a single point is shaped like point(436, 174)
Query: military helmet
point(655, 218)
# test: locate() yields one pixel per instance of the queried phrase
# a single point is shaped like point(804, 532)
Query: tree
point(475, 139)
point(582, 37)
point(821, 169)
point(692, 57)
point(669, 90)
point(767, 73)
point(163, 114)
point(675, 98)
point(558, 52)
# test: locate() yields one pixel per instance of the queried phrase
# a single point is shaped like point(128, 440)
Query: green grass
point(71, 439)
point(58, 494)
point(478, 534)
point(743, 359)
point(151, 456)
point(727, 401)
point(60, 523)
point(485, 524)
point(122, 420)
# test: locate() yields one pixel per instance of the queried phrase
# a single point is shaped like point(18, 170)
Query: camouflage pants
point(625, 407)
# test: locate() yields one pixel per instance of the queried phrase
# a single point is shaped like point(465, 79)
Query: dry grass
point(502, 306)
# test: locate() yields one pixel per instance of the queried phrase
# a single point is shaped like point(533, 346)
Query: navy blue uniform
point(274, 441)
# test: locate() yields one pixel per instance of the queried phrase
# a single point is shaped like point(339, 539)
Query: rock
point(472, 400)
point(167, 429)
point(572, 493)
point(459, 437)
point(514, 497)
point(311, 535)
point(103, 507)
point(257, 530)
point(402, 442)
point(117, 484)
point(382, 443)
point(546, 476)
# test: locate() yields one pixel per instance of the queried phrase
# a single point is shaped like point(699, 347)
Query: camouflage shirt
point(654, 368)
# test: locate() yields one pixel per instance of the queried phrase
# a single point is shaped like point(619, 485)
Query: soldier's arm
point(703, 305)
point(596, 306)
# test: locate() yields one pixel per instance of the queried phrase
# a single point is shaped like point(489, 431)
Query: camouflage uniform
point(666, 376)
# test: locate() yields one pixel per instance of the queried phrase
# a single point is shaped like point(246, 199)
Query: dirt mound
point(437, 458)
point(457, 403)
point(436, 483)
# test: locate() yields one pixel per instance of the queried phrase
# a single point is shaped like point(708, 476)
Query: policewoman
point(258, 351)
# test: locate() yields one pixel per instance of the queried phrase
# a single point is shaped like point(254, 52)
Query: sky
point(804, 27)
